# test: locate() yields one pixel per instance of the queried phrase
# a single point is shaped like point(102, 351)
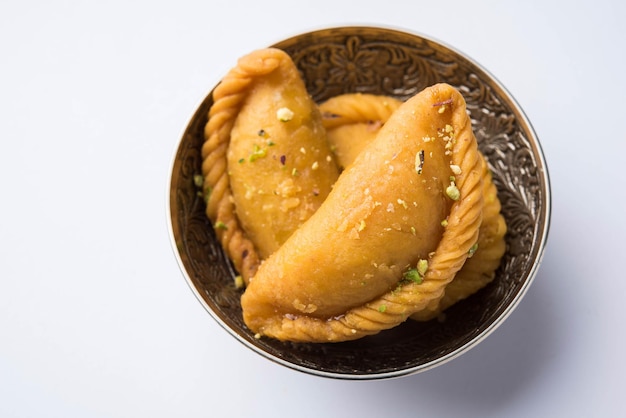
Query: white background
point(96, 319)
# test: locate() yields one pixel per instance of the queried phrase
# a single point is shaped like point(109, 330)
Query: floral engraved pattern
point(354, 66)
point(359, 64)
point(380, 61)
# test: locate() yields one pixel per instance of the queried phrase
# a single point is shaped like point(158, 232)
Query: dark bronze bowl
point(382, 61)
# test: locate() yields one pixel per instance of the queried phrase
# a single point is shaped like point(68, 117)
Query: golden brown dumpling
point(480, 268)
point(353, 120)
point(358, 265)
point(267, 163)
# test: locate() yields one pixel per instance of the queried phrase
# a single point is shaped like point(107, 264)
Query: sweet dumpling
point(280, 164)
point(267, 163)
point(353, 120)
point(375, 252)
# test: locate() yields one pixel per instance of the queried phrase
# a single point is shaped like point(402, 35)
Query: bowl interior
point(398, 64)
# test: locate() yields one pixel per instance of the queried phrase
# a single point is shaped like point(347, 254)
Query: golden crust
point(353, 120)
point(266, 161)
point(478, 270)
point(337, 277)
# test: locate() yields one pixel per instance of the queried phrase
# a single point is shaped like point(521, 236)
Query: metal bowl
point(382, 61)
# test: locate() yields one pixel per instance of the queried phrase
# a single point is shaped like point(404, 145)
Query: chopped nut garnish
point(422, 266)
point(413, 275)
point(472, 250)
point(284, 114)
point(220, 225)
point(239, 283)
point(257, 152)
point(445, 102)
point(302, 150)
point(419, 161)
point(289, 203)
point(287, 188)
point(453, 192)
point(402, 203)
point(382, 308)
point(455, 169)
point(444, 223)
point(308, 308)
point(198, 180)
point(315, 165)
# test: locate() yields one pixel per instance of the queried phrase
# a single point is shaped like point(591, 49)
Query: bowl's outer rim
point(542, 237)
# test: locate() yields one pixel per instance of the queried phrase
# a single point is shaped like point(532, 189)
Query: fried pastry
point(353, 120)
point(480, 268)
point(376, 252)
point(266, 161)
